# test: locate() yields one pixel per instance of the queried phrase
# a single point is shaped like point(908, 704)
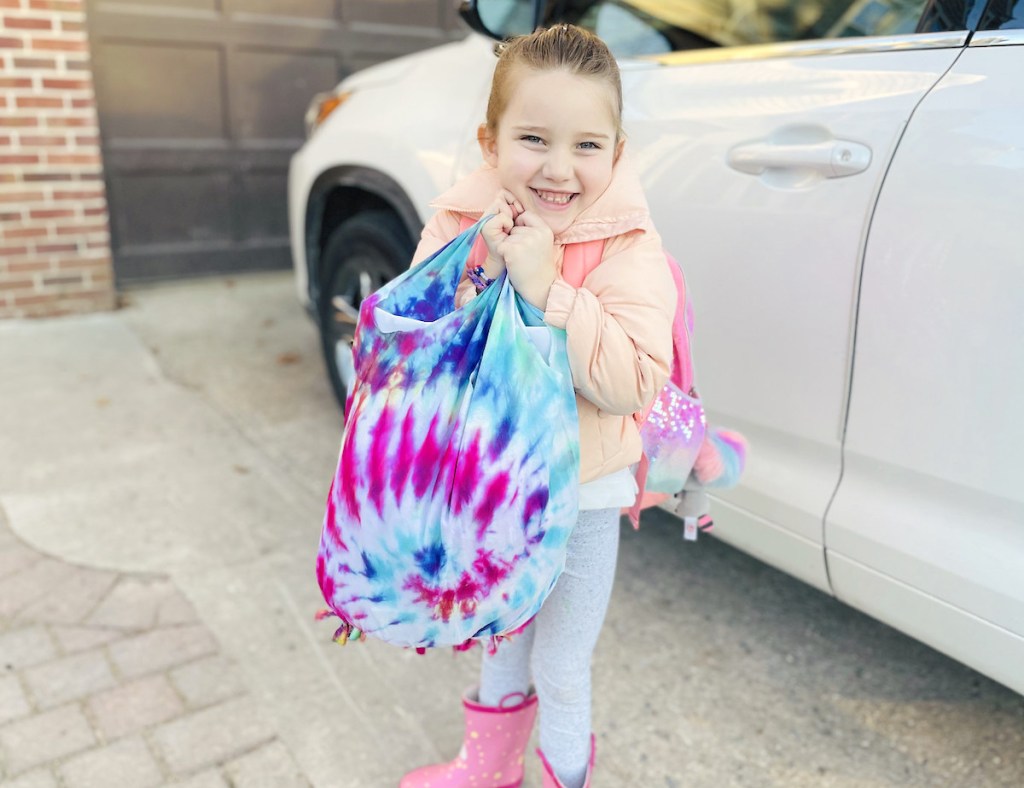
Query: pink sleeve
point(618, 325)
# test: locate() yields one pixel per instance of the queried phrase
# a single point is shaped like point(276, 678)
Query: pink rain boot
point(550, 781)
point(492, 748)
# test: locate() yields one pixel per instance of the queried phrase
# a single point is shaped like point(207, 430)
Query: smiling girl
point(555, 175)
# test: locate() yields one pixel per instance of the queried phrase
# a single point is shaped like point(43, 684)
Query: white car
point(843, 182)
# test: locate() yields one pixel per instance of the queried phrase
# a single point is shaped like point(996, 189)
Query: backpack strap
point(682, 329)
point(478, 253)
point(579, 259)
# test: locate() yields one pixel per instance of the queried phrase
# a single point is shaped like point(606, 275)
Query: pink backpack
point(673, 427)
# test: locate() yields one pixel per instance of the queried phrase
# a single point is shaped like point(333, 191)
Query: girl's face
point(555, 143)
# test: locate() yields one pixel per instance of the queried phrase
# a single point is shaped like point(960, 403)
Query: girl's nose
point(557, 166)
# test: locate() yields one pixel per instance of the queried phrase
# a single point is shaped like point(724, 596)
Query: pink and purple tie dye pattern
point(456, 485)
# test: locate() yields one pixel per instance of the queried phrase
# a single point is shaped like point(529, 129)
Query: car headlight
point(322, 105)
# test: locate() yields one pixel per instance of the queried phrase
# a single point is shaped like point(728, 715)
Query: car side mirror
point(502, 19)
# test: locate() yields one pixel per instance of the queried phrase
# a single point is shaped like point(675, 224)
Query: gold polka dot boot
point(492, 748)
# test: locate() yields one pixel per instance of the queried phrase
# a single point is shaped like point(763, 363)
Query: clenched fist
point(529, 255)
point(495, 232)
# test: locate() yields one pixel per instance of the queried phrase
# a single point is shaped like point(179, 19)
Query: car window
point(641, 27)
point(506, 14)
point(1003, 15)
point(877, 18)
point(626, 31)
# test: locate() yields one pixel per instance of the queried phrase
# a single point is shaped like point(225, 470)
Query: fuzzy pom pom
point(721, 459)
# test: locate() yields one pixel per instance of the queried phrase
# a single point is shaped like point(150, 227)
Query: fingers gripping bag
point(456, 486)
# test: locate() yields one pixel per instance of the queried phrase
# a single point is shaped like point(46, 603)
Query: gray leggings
point(558, 645)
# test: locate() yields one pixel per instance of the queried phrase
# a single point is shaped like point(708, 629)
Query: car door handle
point(832, 159)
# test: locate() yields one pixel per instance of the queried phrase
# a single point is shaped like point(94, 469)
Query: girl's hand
point(529, 254)
point(495, 232)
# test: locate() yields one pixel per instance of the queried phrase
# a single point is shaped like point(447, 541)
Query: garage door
point(201, 104)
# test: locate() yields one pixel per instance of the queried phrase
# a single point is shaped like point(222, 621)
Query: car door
point(762, 166)
point(927, 528)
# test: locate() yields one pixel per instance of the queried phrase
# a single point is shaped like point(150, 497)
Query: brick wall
point(54, 229)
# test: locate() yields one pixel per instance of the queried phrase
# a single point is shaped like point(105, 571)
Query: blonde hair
point(566, 47)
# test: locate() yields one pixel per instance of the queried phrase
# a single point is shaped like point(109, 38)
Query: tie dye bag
point(456, 488)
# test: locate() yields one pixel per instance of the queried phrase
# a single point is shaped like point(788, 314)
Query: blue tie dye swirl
point(456, 488)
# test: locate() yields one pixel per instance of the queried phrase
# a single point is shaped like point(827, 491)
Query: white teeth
point(555, 197)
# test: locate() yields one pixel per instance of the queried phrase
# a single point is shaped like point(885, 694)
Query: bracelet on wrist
point(479, 278)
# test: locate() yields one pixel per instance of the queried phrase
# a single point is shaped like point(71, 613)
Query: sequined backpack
point(673, 427)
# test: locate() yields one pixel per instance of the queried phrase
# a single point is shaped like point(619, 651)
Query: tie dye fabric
point(456, 486)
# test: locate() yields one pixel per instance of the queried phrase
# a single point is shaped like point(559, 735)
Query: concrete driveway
point(162, 475)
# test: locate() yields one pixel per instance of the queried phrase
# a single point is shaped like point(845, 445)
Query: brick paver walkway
point(110, 679)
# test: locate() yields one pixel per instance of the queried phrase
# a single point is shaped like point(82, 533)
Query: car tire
point(360, 256)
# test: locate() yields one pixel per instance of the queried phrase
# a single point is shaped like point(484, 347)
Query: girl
point(555, 175)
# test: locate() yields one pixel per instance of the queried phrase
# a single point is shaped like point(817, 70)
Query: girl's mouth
point(555, 201)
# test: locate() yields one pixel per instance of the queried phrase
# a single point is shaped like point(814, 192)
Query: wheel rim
point(361, 276)
point(345, 364)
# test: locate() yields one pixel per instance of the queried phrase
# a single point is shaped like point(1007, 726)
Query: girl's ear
point(488, 145)
point(618, 149)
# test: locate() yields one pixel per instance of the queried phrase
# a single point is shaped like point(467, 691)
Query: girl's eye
point(590, 146)
point(531, 138)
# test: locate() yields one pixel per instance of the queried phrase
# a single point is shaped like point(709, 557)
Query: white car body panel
point(952, 630)
point(771, 350)
point(932, 495)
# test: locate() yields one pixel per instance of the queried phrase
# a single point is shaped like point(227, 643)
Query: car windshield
point(638, 27)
